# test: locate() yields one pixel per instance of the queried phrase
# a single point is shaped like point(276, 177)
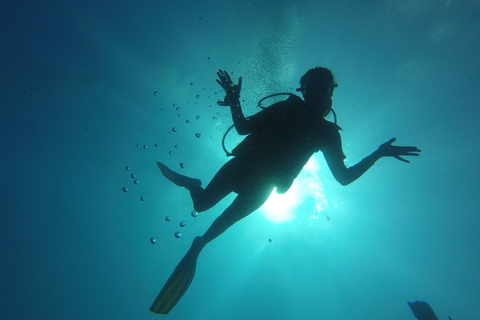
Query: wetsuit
point(281, 139)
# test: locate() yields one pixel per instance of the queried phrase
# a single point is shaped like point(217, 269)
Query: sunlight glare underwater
point(282, 208)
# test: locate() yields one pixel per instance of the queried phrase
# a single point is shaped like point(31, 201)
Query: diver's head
point(317, 87)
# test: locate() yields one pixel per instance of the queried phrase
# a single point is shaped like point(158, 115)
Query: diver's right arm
point(241, 123)
point(232, 99)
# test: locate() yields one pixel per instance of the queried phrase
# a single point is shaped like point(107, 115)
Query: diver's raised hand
point(387, 150)
point(232, 91)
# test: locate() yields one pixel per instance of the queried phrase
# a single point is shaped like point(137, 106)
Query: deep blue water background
point(76, 98)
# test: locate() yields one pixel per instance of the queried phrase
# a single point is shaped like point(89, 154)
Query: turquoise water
point(78, 106)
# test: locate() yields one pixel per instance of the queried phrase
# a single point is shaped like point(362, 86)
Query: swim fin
point(178, 282)
point(422, 310)
point(178, 179)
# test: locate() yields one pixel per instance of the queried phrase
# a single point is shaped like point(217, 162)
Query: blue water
point(78, 106)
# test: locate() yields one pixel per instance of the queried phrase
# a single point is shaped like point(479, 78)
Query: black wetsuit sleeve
point(242, 125)
point(335, 160)
point(333, 146)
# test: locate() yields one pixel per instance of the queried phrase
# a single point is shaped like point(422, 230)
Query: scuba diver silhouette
point(280, 140)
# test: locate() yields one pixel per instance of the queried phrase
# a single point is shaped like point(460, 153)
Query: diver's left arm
point(346, 175)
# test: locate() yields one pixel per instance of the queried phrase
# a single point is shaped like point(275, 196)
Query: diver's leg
point(242, 206)
point(182, 276)
point(221, 185)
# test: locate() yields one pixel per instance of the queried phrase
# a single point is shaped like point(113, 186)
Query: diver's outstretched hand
point(232, 91)
point(387, 150)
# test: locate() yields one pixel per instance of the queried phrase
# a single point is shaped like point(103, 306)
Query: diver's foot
point(178, 179)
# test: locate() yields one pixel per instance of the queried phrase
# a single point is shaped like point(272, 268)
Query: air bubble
point(194, 213)
point(187, 121)
point(182, 165)
point(170, 152)
point(191, 83)
point(125, 189)
point(197, 96)
point(127, 168)
point(157, 145)
point(198, 135)
point(136, 181)
point(178, 234)
point(197, 117)
point(142, 198)
point(183, 224)
point(153, 240)
point(269, 240)
point(174, 129)
point(145, 146)
point(155, 93)
point(167, 218)
point(133, 176)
